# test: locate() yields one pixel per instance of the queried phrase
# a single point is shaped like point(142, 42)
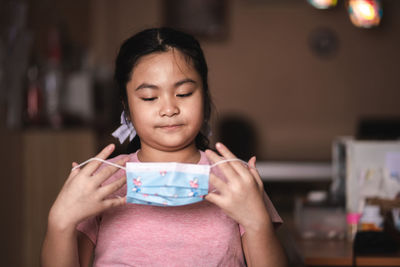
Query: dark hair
point(162, 40)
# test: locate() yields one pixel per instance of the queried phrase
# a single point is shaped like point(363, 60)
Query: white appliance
point(363, 169)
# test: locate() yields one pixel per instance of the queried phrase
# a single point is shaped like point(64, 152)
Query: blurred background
point(286, 78)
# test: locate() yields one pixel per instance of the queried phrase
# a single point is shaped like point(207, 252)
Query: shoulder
point(132, 157)
point(203, 158)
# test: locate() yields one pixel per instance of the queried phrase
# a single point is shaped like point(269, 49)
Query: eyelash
point(184, 95)
point(149, 99)
point(154, 98)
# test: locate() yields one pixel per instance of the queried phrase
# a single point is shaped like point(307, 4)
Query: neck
point(189, 154)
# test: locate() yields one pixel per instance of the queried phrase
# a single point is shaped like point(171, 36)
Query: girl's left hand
point(241, 196)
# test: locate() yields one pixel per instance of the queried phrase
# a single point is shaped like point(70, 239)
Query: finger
point(227, 154)
point(218, 183)
point(108, 189)
point(73, 172)
point(252, 166)
point(106, 172)
point(92, 166)
point(254, 172)
point(226, 168)
point(214, 198)
point(114, 202)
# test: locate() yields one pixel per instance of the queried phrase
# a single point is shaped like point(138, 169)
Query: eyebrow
point(146, 85)
point(177, 84)
point(187, 80)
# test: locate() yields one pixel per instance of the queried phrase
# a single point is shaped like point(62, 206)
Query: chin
point(174, 146)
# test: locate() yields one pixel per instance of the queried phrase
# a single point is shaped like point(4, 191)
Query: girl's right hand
point(83, 196)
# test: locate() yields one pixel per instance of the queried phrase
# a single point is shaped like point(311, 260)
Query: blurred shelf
point(295, 171)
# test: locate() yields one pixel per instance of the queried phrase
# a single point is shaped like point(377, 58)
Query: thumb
point(214, 198)
point(74, 170)
point(252, 162)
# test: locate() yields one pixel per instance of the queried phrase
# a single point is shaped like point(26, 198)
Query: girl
point(162, 77)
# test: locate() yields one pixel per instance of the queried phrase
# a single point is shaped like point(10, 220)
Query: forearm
point(262, 247)
point(60, 247)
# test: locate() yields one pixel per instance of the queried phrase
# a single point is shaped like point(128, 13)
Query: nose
point(169, 107)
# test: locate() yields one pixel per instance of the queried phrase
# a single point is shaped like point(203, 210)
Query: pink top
point(140, 235)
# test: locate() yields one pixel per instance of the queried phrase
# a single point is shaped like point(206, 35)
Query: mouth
point(170, 127)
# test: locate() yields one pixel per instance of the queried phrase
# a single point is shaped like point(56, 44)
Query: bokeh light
point(365, 13)
point(323, 4)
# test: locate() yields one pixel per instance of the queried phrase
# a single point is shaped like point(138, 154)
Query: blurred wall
point(72, 15)
point(265, 70)
point(298, 101)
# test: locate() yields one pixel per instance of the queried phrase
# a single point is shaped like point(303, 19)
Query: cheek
point(138, 116)
point(197, 110)
point(201, 112)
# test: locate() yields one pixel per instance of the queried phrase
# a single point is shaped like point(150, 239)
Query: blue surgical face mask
point(165, 183)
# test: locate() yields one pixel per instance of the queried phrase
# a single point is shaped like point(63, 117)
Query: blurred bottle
point(3, 96)
point(53, 80)
point(34, 98)
point(77, 104)
point(16, 48)
point(352, 225)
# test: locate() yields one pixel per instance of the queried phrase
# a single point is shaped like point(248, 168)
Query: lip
point(170, 127)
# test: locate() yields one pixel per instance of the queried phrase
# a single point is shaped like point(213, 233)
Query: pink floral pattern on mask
point(137, 183)
point(194, 183)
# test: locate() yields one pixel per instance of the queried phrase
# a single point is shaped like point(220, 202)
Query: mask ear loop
point(121, 167)
point(229, 160)
point(98, 159)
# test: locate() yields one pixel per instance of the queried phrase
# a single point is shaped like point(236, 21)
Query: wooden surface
point(328, 253)
point(378, 260)
point(339, 253)
point(38, 164)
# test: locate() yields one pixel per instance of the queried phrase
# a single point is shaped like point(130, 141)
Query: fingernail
point(218, 145)
point(110, 146)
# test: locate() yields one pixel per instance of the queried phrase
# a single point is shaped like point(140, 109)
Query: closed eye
point(184, 95)
point(149, 98)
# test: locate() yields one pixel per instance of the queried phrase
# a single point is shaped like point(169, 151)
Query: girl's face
point(165, 101)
